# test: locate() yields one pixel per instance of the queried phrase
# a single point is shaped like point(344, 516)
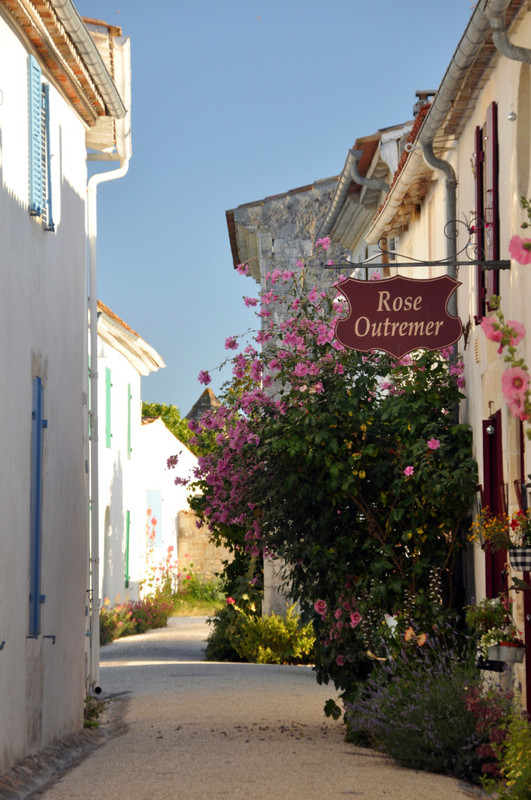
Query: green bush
point(275, 640)
point(515, 760)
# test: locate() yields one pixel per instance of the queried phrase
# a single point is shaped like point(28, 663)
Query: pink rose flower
point(433, 444)
point(340, 660)
point(520, 249)
point(409, 471)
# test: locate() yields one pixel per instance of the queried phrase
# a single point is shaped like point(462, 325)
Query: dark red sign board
point(398, 315)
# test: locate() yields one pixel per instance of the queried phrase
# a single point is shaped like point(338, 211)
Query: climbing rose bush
point(350, 468)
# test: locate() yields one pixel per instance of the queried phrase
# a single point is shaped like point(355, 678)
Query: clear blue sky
point(235, 100)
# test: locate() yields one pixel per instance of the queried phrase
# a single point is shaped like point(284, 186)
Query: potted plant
point(492, 621)
point(502, 532)
point(520, 536)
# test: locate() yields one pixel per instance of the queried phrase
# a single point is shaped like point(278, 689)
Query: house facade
point(454, 201)
point(123, 358)
point(55, 88)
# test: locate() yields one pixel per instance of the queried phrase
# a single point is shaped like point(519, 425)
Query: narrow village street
point(199, 731)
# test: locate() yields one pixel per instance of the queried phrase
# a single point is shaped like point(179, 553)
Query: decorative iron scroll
point(451, 231)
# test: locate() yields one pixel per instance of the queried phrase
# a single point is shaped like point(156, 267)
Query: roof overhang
point(65, 49)
point(117, 334)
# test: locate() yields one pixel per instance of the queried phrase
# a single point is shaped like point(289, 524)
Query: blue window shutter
point(37, 426)
point(48, 193)
point(127, 533)
point(36, 187)
point(108, 385)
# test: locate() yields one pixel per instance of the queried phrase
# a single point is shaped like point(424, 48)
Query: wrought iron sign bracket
point(472, 227)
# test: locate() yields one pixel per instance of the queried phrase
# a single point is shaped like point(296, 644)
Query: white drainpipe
point(94, 181)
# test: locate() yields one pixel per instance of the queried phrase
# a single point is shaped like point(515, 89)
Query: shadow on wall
point(115, 544)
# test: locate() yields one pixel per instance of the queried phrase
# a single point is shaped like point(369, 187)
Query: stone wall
point(194, 546)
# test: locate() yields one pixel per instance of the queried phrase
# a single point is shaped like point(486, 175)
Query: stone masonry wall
point(194, 546)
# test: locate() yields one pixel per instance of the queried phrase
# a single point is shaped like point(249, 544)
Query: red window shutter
point(492, 224)
point(478, 159)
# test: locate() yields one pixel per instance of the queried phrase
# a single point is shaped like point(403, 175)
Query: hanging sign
point(398, 315)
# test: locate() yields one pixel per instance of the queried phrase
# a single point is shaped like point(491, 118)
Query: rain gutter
point(349, 173)
point(75, 27)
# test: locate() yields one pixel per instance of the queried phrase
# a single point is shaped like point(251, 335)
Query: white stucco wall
point(157, 443)
point(42, 333)
point(120, 487)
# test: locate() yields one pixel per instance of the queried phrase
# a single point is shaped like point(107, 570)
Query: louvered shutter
point(49, 224)
point(492, 224)
point(36, 187)
point(478, 194)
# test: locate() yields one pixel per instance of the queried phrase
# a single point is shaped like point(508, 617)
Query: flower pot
point(508, 651)
point(520, 558)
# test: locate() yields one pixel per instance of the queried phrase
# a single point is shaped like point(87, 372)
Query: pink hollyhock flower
point(340, 660)
point(491, 330)
point(231, 343)
point(515, 383)
point(338, 612)
point(520, 249)
point(320, 607)
point(204, 377)
point(409, 471)
point(355, 619)
point(433, 444)
point(517, 407)
point(518, 330)
point(313, 296)
point(231, 601)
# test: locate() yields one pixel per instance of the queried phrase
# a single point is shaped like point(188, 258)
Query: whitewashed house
point(54, 88)
point(163, 499)
point(123, 358)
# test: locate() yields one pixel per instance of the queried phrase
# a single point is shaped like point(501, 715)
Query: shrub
point(276, 640)
point(134, 617)
point(515, 760)
point(412, 708)
point(198, 588)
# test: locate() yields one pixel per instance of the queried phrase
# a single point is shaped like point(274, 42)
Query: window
point(485, 163)
point(38, 424)
point(40, 192)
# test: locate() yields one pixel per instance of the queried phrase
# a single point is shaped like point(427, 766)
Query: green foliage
point(196, 588)
point(275, 640)
point(171, 416)
point(92, 710)
point(515, 761)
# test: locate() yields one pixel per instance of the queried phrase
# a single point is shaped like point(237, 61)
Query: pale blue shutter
point(36, 187)
point(48, 193)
